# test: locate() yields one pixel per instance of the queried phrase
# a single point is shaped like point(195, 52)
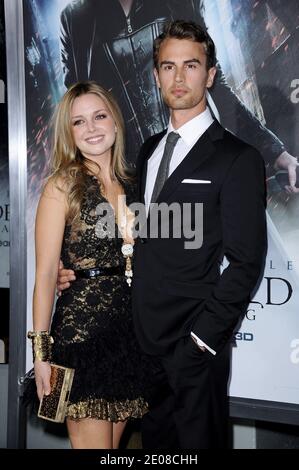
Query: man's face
point(182, 75)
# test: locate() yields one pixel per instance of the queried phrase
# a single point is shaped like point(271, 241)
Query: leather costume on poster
point(116, 50)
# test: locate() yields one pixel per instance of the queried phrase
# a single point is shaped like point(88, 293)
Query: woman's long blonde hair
point(69, 166)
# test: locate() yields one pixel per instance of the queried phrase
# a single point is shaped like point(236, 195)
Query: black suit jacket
point(178, 290)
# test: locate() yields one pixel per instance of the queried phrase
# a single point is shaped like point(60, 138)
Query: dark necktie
point(163, 169)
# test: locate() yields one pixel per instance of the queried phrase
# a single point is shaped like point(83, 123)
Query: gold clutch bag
point(53, 406)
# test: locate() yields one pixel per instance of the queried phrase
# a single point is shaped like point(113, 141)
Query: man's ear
point(156, 74)
point(211, 76)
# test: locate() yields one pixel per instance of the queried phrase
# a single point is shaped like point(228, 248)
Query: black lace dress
point(92, 325)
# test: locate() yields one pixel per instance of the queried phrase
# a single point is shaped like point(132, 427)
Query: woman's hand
point(42, 372)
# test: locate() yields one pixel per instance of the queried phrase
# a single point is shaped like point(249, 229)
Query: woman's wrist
point(41, 345)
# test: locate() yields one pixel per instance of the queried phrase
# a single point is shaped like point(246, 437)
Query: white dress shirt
point(189, 133)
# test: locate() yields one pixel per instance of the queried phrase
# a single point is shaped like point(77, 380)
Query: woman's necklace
point(127, 250)
point(125, 222)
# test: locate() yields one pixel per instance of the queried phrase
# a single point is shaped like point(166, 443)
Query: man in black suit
point(185, 311)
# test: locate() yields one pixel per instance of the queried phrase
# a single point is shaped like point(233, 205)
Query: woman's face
point(93, 127)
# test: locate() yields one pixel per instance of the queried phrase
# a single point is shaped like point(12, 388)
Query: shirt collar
point(193, 129)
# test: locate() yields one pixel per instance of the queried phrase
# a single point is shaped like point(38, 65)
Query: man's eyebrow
point(189, 61)
point(192, 60)
point(167, 62)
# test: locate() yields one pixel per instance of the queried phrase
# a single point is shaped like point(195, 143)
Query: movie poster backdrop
point(256, 96)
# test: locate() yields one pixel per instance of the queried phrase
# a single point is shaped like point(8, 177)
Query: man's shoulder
point(240, 155)
point(155, 137)
point(147, 147)
point(152, 140)
point(235, 146)
point(231, 150)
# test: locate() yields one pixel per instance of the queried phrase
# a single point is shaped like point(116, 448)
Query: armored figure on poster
point(116, 50)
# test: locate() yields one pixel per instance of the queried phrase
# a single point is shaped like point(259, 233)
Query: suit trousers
point(189, 404)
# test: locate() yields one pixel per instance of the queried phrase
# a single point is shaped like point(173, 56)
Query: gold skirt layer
point(107, 410)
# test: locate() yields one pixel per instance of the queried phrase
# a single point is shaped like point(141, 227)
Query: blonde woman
point(92, 324)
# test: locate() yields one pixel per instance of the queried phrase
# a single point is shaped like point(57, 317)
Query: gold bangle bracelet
point(41, 345)
point(33, 334)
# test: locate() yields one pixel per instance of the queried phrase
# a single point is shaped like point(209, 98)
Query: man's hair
point(181, 29)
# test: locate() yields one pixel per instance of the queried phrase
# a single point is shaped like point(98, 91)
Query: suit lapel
point(199, 153)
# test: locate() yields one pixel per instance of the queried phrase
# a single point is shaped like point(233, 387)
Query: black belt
point(95, 272)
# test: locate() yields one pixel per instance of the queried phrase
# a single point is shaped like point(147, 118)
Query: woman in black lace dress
point(92, 324)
